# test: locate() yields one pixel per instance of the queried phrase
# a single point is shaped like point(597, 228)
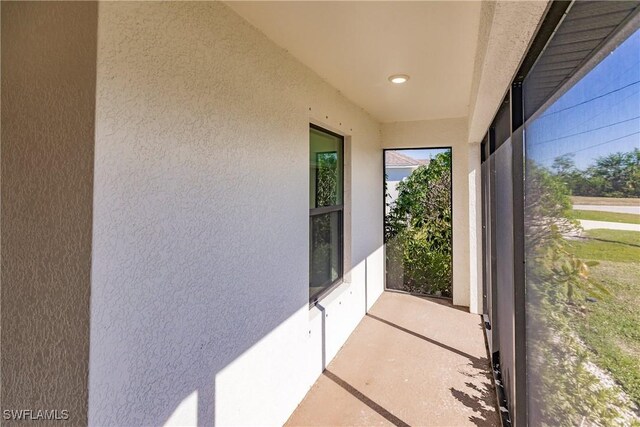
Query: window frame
point(313, 300)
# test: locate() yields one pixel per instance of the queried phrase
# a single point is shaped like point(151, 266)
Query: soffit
point(355, 46)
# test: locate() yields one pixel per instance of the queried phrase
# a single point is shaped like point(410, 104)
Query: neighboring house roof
point(397, 159)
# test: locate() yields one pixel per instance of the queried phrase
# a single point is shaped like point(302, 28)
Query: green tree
point(612, 172)
point(614, 175)
point(565, 168)
point(564, 391)
point(564, 165)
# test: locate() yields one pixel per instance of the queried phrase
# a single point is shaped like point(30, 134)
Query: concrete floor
point(411, 361)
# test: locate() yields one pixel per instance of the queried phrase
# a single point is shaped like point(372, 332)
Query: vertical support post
point(484, 156)
point(517, 138)
point(491, 235)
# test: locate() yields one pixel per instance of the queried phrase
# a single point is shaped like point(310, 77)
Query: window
point(582, 293)
point(417, 223)
point(326, 167)
point(560, 218)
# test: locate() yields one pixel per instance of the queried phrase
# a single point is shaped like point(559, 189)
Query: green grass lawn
point(609, 245)
point(607, 216)
point(611, 325)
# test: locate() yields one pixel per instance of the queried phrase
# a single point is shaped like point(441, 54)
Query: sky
point(599, 115)
point(422, 154)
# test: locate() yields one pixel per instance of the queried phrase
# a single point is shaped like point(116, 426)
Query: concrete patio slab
point(411, 361)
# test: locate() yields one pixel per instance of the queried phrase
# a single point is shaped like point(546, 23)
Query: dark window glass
point(325, 210)
point(504, 274)
point(325, 251)
point(326, 169)
point(501, 125)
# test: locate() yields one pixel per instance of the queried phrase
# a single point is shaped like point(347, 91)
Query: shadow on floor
point(447, 302)
point(410, 361)
point(484, 406)
point(364, 399)
point(476, 362)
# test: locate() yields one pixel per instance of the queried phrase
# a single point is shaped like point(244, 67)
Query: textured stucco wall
point(199, 303)
point(200, 210)
point(450, 133)
point(475, 228)
point(47, 132)
point(506, 29)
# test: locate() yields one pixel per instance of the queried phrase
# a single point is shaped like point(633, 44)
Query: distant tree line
point(614, 175)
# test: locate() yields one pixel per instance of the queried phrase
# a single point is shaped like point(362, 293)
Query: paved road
point(590, 225)
point(606, 208)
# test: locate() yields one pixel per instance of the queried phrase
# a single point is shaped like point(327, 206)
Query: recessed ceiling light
point(398, 78)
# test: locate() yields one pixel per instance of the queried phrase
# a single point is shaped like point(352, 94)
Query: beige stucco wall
point(199, 304)
point(506, 29)
point(47, 142)
point(451, 133)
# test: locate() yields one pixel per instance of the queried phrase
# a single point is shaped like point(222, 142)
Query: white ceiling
point(355, 46)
